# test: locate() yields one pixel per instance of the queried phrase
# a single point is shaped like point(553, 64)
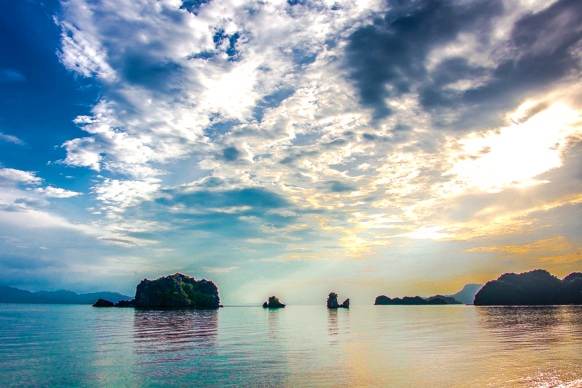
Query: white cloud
point(57, 192)
point(141, 129)
point(81, 51)
point(10, 139)
point(19, 176)
point(28, 218)
point(117, 195)
point(83, 152)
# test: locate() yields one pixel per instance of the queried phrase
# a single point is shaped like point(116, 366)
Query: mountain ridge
point(15, 295)
point(467, 294)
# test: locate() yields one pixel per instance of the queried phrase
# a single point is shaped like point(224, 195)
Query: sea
point(298, 346)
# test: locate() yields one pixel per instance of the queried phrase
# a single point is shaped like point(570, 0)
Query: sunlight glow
point(515, 155)
point(427, 233)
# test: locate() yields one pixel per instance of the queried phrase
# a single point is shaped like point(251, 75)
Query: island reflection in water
point(536, 326)
point(159, 331)
point(295, 346)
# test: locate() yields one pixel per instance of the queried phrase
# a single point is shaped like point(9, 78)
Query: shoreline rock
point(125, 303)
point(103, 303)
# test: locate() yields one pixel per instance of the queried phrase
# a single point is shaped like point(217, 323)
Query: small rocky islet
point(273, 303)
point(103, 303)
point(333, 304)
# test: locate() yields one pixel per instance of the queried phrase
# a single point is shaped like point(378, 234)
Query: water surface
point(61, 345)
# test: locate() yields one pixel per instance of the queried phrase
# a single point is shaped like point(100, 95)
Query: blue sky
point(289, 148)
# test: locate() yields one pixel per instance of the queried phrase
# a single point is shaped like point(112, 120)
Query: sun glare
point(515, 155)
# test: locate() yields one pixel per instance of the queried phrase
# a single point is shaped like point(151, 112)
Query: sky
point(289, 148)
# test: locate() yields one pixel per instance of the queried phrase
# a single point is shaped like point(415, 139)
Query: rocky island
point(273, 303)
point(173, 291)
point(415, 300)
point(537, 287)
point(333, 304)
point(103, 303)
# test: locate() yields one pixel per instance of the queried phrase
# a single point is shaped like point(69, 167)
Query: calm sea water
point(50, 345)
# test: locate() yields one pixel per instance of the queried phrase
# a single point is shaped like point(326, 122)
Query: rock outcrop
point(537, 287)
point(103, 303)
point(125, 303)
point(332, 301)
point(177, 291)
point(333, 304)
point(415, 300)
point(273, 303)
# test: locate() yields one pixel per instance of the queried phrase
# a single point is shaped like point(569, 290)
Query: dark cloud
point(435, 93)
point(230, 154)
point(340, 187)
point(26, 271)
point(238, 213)
point(253, 197)
point(151, 73)
point(387, 58)
point(543, 50)
point(544, 45)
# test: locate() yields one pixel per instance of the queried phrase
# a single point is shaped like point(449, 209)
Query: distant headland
point(537, 287)
point(15, 295)
point(415, 300)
